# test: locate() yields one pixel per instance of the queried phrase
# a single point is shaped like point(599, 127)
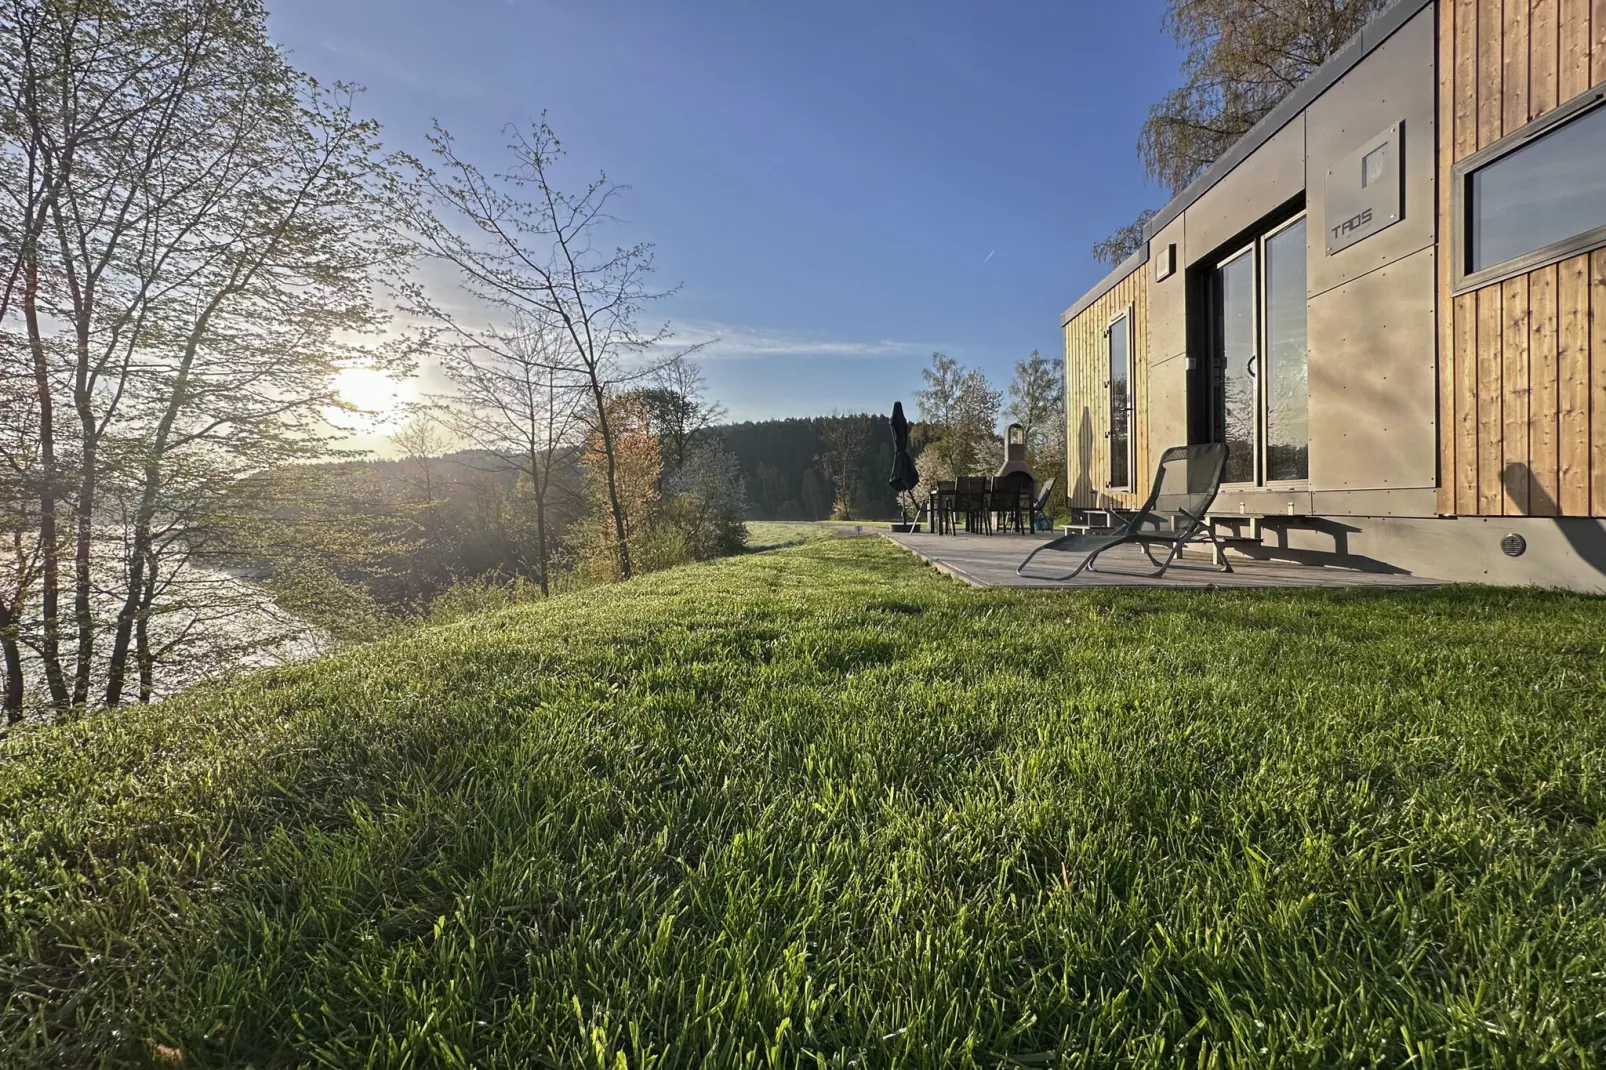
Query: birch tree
point(1240, 59)
point(523, 248)
point(677, 398)
point(1037, 403)
point(518, 398)
point(83, 87)
point(277, 268)
point(961, 407)
point(19, 539)
point(196, 228)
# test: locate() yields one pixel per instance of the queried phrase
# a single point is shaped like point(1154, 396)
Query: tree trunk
point(82, 586)
point(138, 564)
point(540, 543)
point(538, 490)
point(117, 663)
point(84, 297)
point(13, 662)
point(142, 569)
point(50, 559)
point(606, 433)
point(142, 643)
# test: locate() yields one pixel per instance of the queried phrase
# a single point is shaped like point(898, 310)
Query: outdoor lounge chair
point(1184, 486)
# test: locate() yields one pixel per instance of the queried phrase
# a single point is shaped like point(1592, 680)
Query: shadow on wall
point(1587, 537)
point(1339, 556)
point(1082, 488)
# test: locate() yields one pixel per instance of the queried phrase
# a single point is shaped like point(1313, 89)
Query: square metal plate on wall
point(1366, 190)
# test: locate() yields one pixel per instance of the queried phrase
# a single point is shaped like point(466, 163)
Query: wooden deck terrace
point(990, 560)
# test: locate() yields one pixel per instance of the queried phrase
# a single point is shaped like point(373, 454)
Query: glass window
point(1240, 393)
point(1551, 189)
point(1120, 406)
point(1287, 393)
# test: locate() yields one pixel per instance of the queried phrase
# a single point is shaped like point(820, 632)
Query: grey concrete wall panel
point(1168, 404)
point(1394, 84)
point(1273, 174)
point(1562, 552)
point(1106, 284)
point(1163, 255)
point(1409, 501)
point(1373, 406)
point(1377, 32)
point(1168, 303)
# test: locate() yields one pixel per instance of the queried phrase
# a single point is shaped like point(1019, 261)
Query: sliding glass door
point(1261, 392)
point(1287, 389)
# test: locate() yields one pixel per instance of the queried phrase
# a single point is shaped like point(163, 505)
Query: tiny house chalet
point(1389, 300)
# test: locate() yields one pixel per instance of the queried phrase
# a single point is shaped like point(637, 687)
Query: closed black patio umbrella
point(904, 477)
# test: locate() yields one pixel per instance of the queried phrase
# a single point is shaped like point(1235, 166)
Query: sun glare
point(380, 398)
point(370, 390)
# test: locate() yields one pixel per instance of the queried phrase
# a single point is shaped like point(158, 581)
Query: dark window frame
point(1464, 281)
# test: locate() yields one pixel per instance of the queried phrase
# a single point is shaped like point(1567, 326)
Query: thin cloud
point(726, 342)
point(444, 78)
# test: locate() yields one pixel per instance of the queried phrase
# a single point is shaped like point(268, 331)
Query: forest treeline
point(811, 467)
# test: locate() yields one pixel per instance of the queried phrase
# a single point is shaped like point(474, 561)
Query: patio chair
point(942, 507)
point(1011, 500)
point(970, 498)
point(1174, 514)
point(1042, 500)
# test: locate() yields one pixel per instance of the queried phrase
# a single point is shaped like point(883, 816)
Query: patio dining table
point(1010, 497)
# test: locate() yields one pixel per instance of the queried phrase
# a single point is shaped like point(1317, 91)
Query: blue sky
point(838, 188)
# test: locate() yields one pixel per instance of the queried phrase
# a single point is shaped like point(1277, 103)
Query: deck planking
point(990, 560)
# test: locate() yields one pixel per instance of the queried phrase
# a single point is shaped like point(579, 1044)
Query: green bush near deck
point(821, 807)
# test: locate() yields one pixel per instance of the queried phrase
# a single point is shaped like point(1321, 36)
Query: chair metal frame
point(1197, 527)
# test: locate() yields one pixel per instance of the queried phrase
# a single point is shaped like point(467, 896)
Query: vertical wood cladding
point(1087, 397)
point(1522, 363)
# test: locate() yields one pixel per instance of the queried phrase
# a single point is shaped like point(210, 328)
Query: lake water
point(207, 623)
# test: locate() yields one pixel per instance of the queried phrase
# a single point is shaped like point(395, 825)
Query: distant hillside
point(779, 460)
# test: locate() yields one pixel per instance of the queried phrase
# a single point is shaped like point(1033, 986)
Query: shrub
point(704, 501)
point(482, 594)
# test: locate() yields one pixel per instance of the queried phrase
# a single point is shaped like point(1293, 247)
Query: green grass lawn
point(821, 807)
point(774, 534)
